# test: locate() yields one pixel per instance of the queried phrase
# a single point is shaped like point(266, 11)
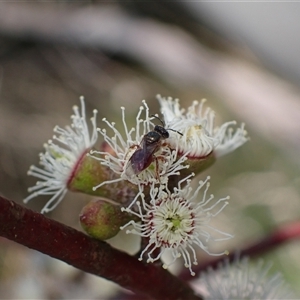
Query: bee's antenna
point(174, 131)
point(162, 122)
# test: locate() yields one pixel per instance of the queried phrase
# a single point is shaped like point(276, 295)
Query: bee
point(144, 155)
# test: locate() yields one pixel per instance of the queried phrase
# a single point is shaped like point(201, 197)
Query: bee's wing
point(137, 162)
point(140, 160)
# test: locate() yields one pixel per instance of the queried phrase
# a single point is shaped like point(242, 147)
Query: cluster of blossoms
point(155, 159)
point(148, 172)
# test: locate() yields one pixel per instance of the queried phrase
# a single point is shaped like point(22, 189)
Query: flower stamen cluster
point(241, 280)
point(165, 160)
point(174, 221)
point(199, 135)
point(61, 157)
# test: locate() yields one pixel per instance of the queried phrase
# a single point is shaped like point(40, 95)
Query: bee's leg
point(156, 167)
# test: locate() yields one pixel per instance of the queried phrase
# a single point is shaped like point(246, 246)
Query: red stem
point(279, 236)
point(36, 231)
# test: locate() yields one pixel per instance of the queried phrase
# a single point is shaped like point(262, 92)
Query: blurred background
point(243, 57)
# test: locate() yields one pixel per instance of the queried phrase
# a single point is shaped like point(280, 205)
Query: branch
point(276, 238)
point(38, 232)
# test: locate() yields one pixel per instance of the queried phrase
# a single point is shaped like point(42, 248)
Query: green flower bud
point(102, 220)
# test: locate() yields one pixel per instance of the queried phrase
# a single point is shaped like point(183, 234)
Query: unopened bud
point(102, 220)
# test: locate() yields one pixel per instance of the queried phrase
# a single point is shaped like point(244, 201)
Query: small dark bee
point(144, 155)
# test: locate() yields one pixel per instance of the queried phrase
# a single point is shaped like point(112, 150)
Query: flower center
point(174, 223)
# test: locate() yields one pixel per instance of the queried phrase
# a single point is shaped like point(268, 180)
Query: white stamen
point(59, 159)
point(165, 161)
point(199, 135)
point(173, 222)
point(240, 280)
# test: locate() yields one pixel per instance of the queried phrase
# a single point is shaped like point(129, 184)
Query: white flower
point(240, 280)
point(174, 221)
point(61, 157)
point(199, 135)
point(163, 160)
